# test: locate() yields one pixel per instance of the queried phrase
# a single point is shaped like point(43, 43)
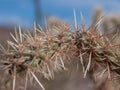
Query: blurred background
point(24, 13)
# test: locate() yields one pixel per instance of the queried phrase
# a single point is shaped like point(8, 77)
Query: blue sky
point(21, 12)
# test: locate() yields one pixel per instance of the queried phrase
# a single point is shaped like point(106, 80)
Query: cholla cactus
point(44, 52)
point(40, 52)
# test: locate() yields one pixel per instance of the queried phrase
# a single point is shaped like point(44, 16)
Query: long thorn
point(81, 60)
point(14, 78)
point(88, 65)
point(108, 68)
point(2, 48)
point(16, 35)
point(49, 71)
point(37, 80)
point(35, 29)
point(26, 79)
point(83, 21)
point(15, 39)
point(75, 20)
point(20, 33)
point(62, 62)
